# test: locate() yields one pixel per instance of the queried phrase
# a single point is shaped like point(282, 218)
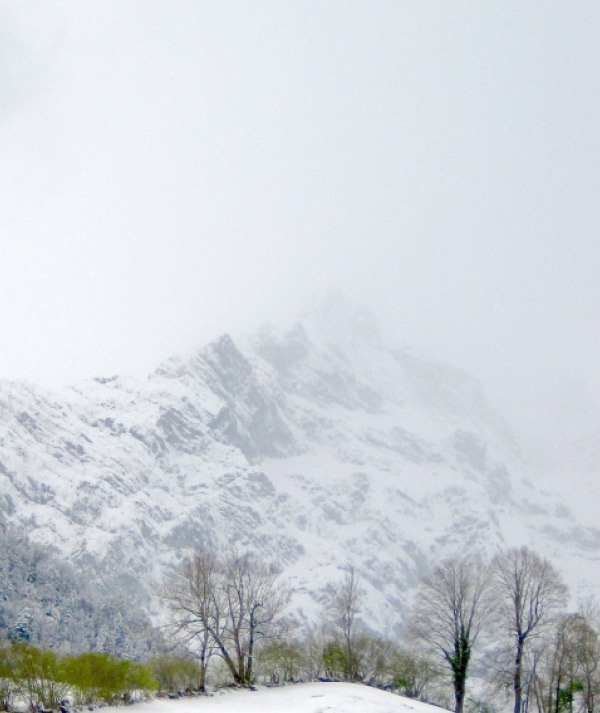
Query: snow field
point(296, 698)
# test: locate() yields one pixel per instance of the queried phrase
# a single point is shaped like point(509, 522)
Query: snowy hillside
point(316, 445)
point(46, 603)
point(299, 698)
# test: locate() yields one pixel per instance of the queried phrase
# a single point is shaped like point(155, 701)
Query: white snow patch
point(296, 698)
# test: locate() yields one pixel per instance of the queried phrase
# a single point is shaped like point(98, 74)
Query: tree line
point(46, 602)
point(505, 619)
point(503, 623)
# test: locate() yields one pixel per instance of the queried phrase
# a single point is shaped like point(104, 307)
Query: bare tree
point(451, 606)
point(226, 605)
point(568, 664)
point(252, 600)
point(314, 644)
point(529, 594)
point(344, 600)
point(553, 667)
point(587, 651)
point(195, 616)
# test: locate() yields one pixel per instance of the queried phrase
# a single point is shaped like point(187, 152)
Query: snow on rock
point(316, 446)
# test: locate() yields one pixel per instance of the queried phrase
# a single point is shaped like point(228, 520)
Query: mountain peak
point(336, 318)
point(310, 444)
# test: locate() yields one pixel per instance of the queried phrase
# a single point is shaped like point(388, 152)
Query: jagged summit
point(332, 317)
point(314, 444)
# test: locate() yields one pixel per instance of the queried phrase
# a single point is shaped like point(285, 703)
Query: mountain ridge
point(314, 446)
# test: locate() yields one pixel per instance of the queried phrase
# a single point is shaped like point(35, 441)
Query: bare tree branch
point(451, 606)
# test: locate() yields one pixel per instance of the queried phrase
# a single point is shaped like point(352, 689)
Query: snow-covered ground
point(298, 698)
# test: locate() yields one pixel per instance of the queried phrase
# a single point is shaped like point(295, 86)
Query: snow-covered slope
point(316, 446)
point(297, 698)
point(45, 602)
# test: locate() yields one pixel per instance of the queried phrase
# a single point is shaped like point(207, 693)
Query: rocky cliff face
point(316, 446)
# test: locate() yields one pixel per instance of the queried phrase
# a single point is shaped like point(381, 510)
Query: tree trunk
point(227, 659)
point(517, 686)
point(460, 665)
point(350, 667)
point(204, 658)
point(459, 696)
point(241, 670)
point(250, 651)
point(202, 681)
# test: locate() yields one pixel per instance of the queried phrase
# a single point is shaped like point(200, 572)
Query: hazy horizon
point(173, 171)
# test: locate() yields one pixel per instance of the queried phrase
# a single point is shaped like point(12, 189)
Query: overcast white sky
point(172, 170)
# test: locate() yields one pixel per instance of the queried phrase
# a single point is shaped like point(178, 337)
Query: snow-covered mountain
point(317, 446)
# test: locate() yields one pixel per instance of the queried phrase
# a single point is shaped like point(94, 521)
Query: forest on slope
point(46, 602)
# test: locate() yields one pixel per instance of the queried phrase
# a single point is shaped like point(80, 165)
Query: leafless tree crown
point(451, 607)
point(225, 605)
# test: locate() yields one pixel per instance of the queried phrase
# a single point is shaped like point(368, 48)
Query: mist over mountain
point(314, 445)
